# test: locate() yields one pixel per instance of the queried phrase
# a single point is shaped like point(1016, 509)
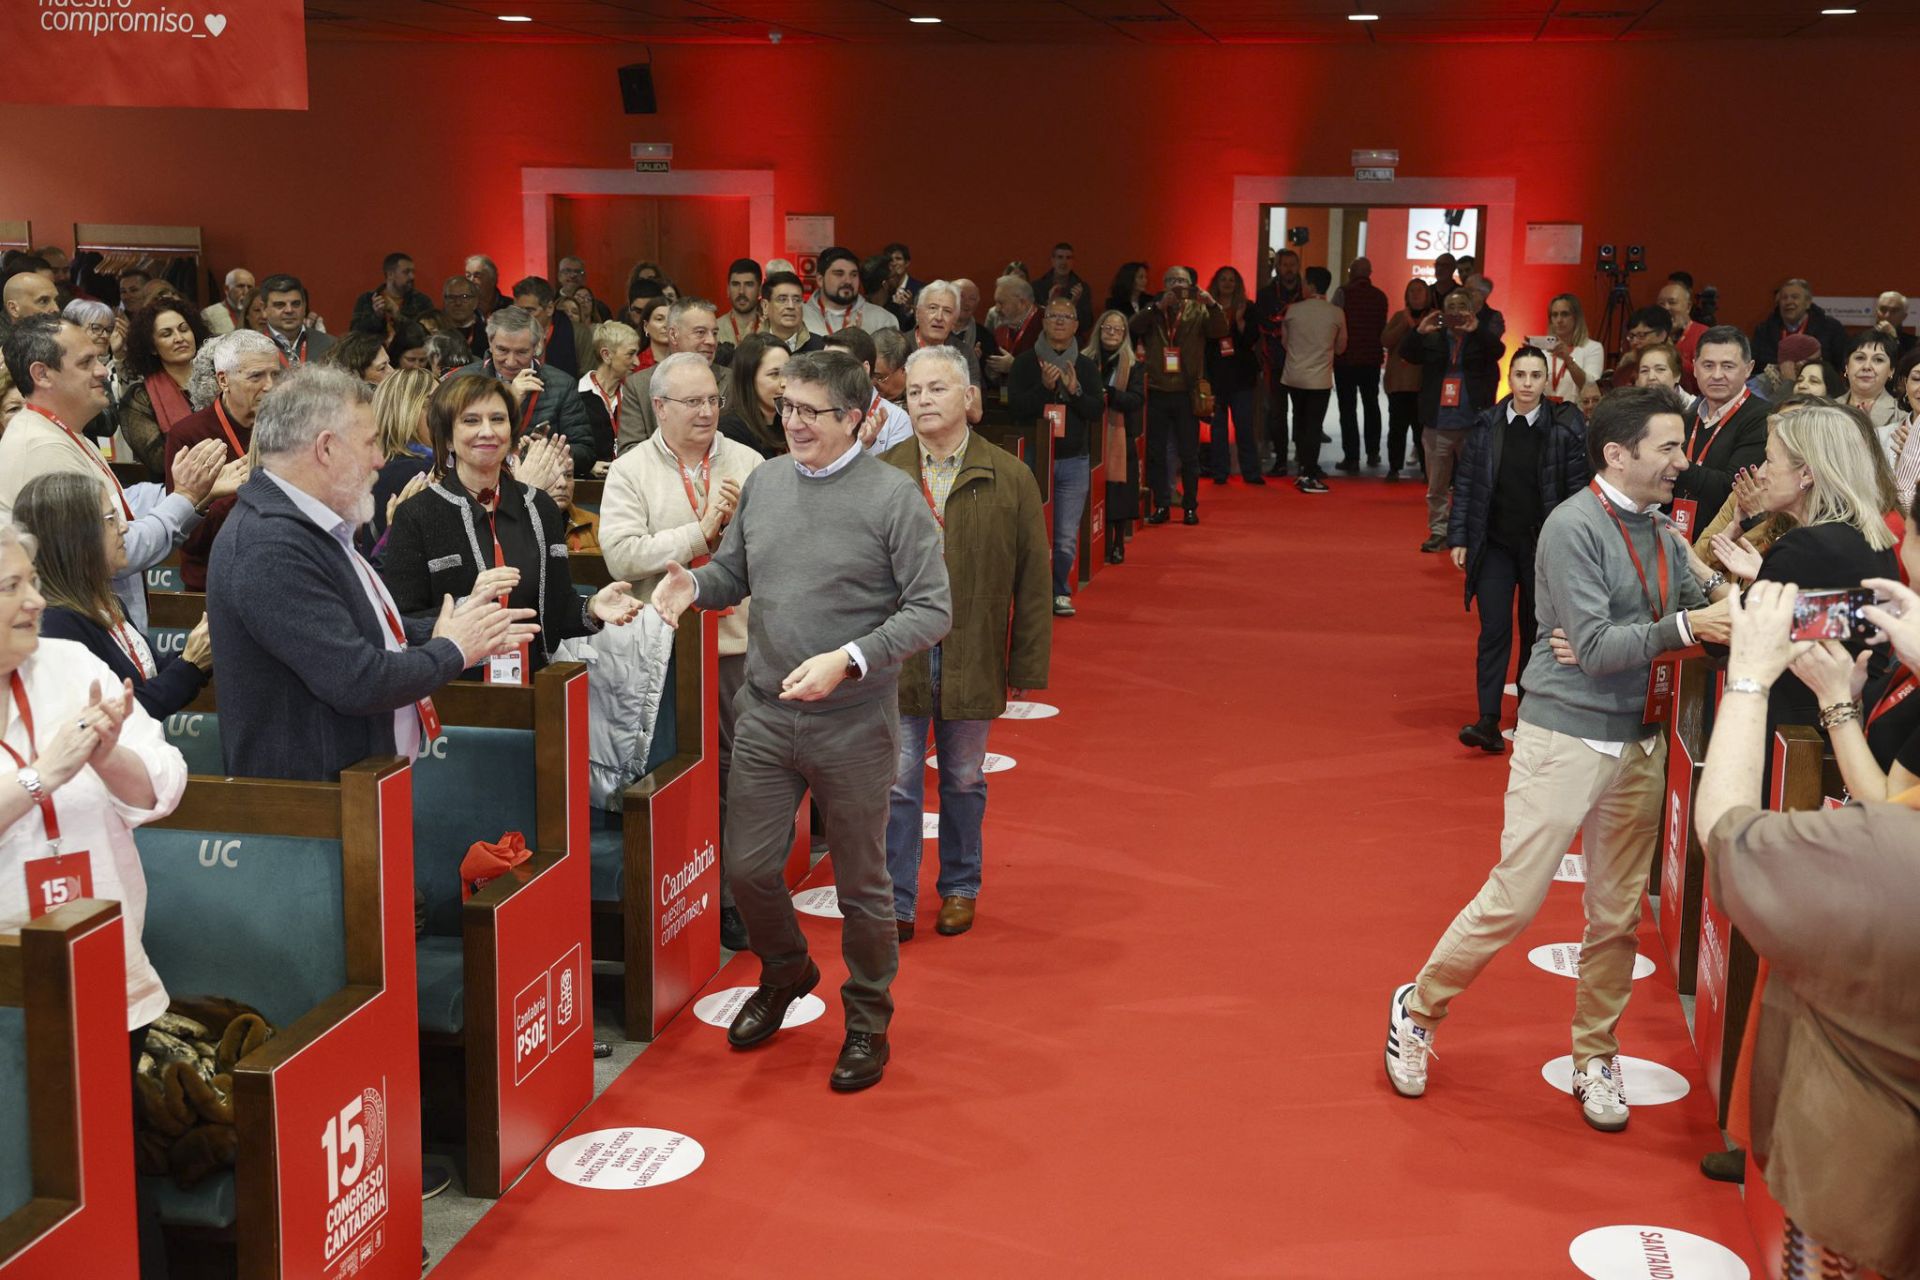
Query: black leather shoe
point(1159, 515)
point(1350, 466)
point(1255, 478)
point(1484, 734)
point(1116, 550)
point(1725, 1166)
point(905, 929)
point(1191, 517)
point(761, 1015)
point(863, 1060)
point(1438, 542)
point(733, 929)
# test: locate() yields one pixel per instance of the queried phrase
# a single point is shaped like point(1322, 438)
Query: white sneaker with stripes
point(1409, 1045)
point(1603, 1094)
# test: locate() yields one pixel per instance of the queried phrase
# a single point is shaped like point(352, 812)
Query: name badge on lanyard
point(1057, 419)
point(1659, 707)
point(504, 668)
point(1685, 512)
point(1226, 347)
point(56, 879)
point(1450, 393)
point(1171, 359)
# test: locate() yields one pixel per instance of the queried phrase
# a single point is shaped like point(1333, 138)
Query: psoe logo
point(119, 17)
point(531, 1027)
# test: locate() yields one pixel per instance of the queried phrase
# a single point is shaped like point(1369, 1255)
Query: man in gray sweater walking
point(842, 557)
point(1590, 753)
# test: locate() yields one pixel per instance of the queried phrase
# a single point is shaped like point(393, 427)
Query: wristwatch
point(853, 668)
point(29, 778)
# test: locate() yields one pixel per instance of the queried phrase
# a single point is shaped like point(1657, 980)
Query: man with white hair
point(485, 278)
point(975, 342)
point(936, 310)
point(669, 499)
point(549, 399)
point(993, 538)
point(246, 365)
point(1015, 322)
point(230, 312)
point(318, 669)
point(1890, 318)
point(693, 325)
point(1795, 311)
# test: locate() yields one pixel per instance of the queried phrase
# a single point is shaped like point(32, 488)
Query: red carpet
point(1158, 1052)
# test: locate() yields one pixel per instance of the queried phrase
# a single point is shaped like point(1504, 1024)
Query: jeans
point(1309, 411)
point(1072, 478)
point(1403, 421)
point(1363, 381)
point(1277, 413)
point(1170, 423)
point(1503, 574)
point(1238, 403)
point(962, 748)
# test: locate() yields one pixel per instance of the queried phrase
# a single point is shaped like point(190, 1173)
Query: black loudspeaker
point(636, 89)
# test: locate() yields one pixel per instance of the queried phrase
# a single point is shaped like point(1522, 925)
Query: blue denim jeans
point(1071, 480)
point(962, 748)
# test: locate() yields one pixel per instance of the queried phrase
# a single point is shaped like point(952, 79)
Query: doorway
point(692, 238)
point(1402, 240)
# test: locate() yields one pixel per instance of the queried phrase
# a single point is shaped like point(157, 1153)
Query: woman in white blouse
point(79, 759)
point(1573, 359)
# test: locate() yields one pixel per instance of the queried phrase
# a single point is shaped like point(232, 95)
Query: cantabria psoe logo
point(127, 17)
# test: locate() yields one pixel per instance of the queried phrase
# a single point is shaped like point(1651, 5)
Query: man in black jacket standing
point(1520, 460)
point(1459, 375)
point(318, 670)
point(1726, 429)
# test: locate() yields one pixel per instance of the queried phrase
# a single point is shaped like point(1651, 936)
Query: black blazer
point(177, 682)
point(1564, 471)
point(1741, 441)
point(1027, 397)
point(601, 425)
point(307, 686)
point(439, 542)
point(1479, 367)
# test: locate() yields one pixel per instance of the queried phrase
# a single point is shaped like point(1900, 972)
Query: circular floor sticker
point(1029, 711)
point(930, 826)
point(994, 762)
point(625, 1159)
point(1653, 1253)
point(1573, 869)
point(1563, 958)
point(720, 1008)
point(1648, 1083)
point(824, 901)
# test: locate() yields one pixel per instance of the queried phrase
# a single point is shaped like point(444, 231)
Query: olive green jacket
point(1000, 570)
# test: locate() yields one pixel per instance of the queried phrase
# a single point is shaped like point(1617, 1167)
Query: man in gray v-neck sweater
point(1615, 579)
point(842, 558)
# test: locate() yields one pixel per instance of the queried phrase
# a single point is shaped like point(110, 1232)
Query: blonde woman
point(1124, 386)
point(1822, 472)
point(1573, 359)
point(400, 422)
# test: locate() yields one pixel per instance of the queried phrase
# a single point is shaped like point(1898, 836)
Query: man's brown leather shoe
point(765, 1009)
point(956, 916)
point(863, 1060)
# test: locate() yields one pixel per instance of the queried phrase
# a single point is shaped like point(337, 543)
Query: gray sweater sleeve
point(926, 605)
point(722, 581)
point(1578, 587)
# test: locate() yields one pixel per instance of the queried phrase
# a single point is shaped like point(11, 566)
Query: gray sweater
point(852, 557)
point(1588, 587)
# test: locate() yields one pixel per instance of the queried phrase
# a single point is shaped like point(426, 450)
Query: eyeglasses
point(697, 402)
point(99, 330)
point(806, 413)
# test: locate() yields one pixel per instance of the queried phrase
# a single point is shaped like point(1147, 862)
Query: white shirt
point(57, 676)
point(895, 426)
point(1588, 355)
point(406, 720)
point(1619, 499)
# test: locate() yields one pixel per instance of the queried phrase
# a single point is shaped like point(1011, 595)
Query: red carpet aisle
point(1158, 1053)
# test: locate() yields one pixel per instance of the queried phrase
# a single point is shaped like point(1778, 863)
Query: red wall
point(1130, 154)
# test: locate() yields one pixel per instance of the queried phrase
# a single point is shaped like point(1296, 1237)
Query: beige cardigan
point(646, 520)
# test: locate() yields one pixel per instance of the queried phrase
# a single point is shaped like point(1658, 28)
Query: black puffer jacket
point(1564, 471)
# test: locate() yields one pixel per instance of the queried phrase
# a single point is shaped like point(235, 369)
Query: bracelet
point(1717, 580)
point(1838, 714)
point(1746, 685)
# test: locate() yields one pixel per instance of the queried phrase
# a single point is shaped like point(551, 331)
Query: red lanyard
point(1171, 328)
point(1557, 368)
point(611, 401)
point(733, 322)
point(1660, 550)
point(926, 491)
point(1899, 689)
point(123, 635)
point(686, 481)
point(126, 508)
point(493, 531)
point(1788, 330)
point(533, 402)
point(26, 719)
point(848, 317)
point(1733, 407)
point(226, 425)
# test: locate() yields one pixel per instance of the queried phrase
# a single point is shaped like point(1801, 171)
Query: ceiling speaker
point(636, 89)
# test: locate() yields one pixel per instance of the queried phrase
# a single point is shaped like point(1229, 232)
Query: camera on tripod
point(1610, 263)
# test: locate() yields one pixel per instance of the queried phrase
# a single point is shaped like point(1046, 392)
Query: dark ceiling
point(1104, 22)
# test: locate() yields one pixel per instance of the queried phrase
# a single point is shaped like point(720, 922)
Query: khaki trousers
point(1559, 785)
point(1443, 450)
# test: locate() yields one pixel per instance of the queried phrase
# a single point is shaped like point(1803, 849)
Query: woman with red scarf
point(1875, 737)
point(161, 343)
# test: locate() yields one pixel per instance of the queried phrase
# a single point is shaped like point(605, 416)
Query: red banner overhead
point(154, 53)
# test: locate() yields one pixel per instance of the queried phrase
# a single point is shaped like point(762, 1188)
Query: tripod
point(1612, 331)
